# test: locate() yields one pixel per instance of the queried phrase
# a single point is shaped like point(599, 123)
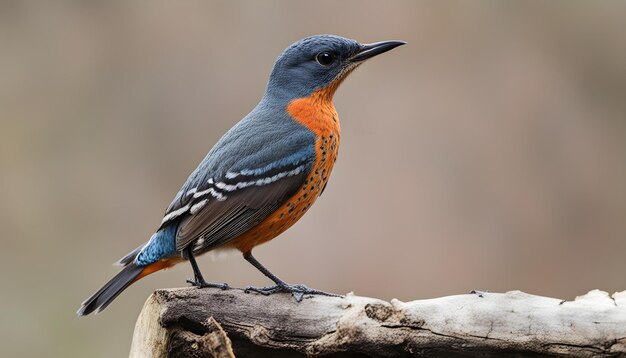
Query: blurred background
point(489, 153)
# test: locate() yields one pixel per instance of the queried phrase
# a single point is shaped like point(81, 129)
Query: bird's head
point(320, 62)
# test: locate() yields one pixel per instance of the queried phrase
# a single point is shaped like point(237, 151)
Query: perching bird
point(261, 176)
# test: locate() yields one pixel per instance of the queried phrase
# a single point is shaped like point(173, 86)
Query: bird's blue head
point(319, 62)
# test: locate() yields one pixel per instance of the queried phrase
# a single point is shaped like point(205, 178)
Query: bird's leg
point(198, 280)
point(298, 291)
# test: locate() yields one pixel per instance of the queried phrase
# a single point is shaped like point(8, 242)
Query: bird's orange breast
point(317, 113)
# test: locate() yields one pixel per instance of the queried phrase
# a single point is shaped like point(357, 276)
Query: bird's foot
point(204, 284)
point(298, 291)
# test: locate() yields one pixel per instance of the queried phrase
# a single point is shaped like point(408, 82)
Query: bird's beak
point(370, 50)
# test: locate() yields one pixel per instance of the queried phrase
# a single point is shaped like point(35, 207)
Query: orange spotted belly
point(317, 113)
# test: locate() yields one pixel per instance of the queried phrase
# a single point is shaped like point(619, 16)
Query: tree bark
point(193, 322)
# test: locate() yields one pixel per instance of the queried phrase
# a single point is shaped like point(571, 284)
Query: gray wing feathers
point(221, 221)
point(266, 146)
point(266, 135)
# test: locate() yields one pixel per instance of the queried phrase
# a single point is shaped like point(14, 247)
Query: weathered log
point(184, 322)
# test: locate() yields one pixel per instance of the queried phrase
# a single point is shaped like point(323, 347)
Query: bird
point(261, 176)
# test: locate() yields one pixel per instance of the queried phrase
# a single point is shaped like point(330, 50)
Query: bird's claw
point(204, 284)
point(263, 290)
point(297, 291)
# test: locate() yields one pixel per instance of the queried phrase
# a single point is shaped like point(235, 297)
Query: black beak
point(370, 50)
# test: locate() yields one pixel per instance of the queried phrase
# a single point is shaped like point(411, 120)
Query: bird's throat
point(316, 112)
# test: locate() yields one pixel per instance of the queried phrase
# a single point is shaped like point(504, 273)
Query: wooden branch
point(184, 322)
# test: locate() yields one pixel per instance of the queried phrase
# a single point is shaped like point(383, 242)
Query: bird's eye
point(325, 58)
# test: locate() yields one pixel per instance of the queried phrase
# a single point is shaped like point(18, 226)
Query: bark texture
point(190, 322)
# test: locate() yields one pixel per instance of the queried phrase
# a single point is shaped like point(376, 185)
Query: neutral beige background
point(488, 153)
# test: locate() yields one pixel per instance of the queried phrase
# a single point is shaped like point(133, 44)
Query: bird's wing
point(227, 209)
point(249, 174)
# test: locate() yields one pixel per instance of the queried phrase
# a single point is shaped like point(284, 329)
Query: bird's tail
point(104, 296)
point(129, 274)
point(155, 255)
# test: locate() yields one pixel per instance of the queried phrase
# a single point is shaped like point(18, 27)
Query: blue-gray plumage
point(255, 182)
point(160, 245)
point(295, 75)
